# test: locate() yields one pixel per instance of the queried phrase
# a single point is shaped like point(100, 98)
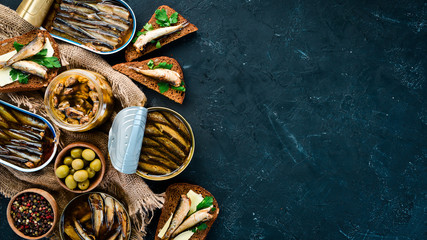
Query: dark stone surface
point(310, 116)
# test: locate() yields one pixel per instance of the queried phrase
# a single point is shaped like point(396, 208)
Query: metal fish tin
point(34, 11)
point(187, 159)
point(126, 137)
point(51, 129)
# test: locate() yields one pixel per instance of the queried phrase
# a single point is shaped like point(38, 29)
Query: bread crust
point(34, 82)
point(175, 95)
point(132, 54)
point(173, 194)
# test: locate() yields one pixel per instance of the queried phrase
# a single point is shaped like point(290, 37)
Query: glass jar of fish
point(78, 100)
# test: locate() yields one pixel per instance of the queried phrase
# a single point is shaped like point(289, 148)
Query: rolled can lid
point(125, 138)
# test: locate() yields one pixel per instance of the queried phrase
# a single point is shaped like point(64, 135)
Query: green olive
point(88, 154)
point(68, 160)
point(96, 165)
point(72, 171)
point(70, 182)
point(84, 185)
point(76, 153)
point(81, 175)
point(90, 172)
point(62, 171)
point(78, 164)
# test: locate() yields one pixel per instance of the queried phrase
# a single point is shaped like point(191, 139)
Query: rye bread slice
point(175, 95)
point(173, 195)
point(132, 54)
point(34, 82)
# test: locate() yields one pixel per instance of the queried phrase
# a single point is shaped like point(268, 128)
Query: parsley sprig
point(165, 65)
point(206, 202)
point(202, 226)
point(19, 75)
point(163, 20)
point(164, 87)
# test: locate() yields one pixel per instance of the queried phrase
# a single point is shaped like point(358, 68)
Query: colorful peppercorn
point(32, 214)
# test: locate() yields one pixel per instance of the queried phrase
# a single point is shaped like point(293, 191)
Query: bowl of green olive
point(80, 167)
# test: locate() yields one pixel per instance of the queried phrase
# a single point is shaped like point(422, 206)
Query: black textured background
point(310, 116)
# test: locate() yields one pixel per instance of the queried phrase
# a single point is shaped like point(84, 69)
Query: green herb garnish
point(163, 20)
point(42, 53)
point(202, 226)
point(180, 88)
point(163, 87)
point(207, 202)
point(17, 46)
point(150, 64)
point(18, 75)
point(49, 62)
point(148, 27)
point(158, 45)
point(173, 18)
point(164, 65)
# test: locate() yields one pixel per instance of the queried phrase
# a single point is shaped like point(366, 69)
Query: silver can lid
point(125, 138)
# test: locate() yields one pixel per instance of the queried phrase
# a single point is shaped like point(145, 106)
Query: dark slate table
point(310, 116)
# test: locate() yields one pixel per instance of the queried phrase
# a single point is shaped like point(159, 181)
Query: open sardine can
point(64, 20)
point(24, 140)
point(136, 142)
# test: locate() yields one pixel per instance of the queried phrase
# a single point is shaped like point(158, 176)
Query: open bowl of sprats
point(100, 26)
point(168, 145)
point(32, 213)
point(94, 215)
point(78, 100)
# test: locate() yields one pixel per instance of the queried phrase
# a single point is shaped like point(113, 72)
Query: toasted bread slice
point(34, 82)
point(132, 54)
point(173, 195)
point(175, 95)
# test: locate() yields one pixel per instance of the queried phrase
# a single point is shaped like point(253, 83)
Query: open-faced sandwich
point(188, 213)
point(166, 25)
point(162, 74)
point(28, 62)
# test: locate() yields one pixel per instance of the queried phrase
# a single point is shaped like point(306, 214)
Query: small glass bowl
point(102, 88)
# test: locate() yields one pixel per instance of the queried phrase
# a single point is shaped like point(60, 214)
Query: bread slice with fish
point(40, 76)
point(177, 199)
point(185, 28)
point(129, 69)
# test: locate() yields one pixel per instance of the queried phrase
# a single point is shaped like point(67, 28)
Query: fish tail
point(184, 24)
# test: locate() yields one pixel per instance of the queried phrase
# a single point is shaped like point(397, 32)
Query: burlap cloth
point(130, 189)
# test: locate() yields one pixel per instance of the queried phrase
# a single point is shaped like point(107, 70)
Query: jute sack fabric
point(130, 189)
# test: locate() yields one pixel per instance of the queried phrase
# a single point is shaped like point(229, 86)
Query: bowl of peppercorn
point(32, 213)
